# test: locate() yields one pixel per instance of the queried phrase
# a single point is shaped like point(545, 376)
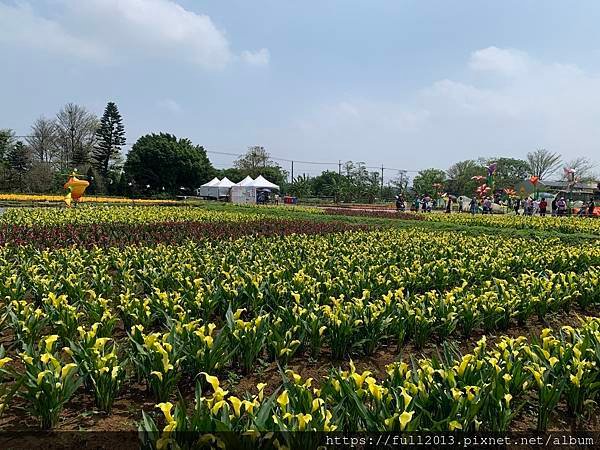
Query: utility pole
point(292, 180)
point(382, 182)
point(339, 167)
point(402, 172)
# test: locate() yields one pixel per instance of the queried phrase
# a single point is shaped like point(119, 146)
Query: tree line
point(161, 164)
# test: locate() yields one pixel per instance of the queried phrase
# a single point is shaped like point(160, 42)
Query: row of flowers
point(87, 199)
point(552, 224)
point(126, 234)
point(480, 391)
point(94, 215)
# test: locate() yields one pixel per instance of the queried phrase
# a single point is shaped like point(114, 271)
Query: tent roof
point(262, 182)
point(246, 181)
point(212, 182)
point(226, 183)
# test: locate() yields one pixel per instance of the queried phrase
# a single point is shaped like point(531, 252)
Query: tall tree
point(460, 177)
point(7, 140)
point(110, 138)
point(162, 160)
point(543, 163)
point(43, 140)
point(257, 161)
point(509, 171)
point(19, 161)
point(425, 181)
point(254, 159)
point(76, 135)
point(583, 168)
point(328, 184)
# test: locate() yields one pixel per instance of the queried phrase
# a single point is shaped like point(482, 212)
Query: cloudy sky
point(407, 83)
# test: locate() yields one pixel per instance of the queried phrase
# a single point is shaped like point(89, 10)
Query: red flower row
point(118, 234)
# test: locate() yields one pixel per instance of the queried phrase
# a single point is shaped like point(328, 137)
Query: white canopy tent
point(244, 192)
point(224, 186)
point(246, 181)
point(262, 183)
point(205, 190)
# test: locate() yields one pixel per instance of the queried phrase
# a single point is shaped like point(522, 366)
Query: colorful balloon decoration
point(75, 189)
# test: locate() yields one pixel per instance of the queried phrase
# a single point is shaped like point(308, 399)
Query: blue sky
point(410, 84)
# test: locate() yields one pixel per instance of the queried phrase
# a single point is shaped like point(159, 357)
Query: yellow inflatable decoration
point(76, 189)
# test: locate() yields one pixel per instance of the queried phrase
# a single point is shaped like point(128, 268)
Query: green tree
point(460, 177)
point(233, 174)
point(7, 140)
point(509, 171)
point(19, 161)
point(257, 161)
point(301, 186)
point(254, 159)
point(163, 161)
point(423, 183)
point(329, 184)
point(110, 138)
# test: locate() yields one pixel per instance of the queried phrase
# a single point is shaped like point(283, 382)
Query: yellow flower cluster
point(85, 199)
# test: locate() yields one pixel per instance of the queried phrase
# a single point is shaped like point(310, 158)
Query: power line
point(276, 158)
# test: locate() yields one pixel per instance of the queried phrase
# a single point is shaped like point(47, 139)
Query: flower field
point(184, 319)
point(37, 198)
point(555, 224)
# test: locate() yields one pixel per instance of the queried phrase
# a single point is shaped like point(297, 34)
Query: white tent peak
point(246, 181)
point(262, 182)
point(226, 183)
point(212, 182)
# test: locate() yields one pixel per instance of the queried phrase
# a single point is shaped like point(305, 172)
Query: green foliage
point(163, 161)
point(460, 176)
point(111, 137)
point(423, 184)
point(256, 161)
point(509, 171)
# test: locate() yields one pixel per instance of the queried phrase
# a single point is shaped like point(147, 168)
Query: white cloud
point(258, 58)
point(121, 30)
point(170, 105)
point(19, 25)
point(504, 61)
point(535, 104)
point(151, 27)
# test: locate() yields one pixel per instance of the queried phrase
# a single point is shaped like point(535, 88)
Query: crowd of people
point(558, 206)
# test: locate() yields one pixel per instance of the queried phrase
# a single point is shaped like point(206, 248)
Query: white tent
point(243, 193)
point(205, 190)
point(262, 183)
point(246, 181)
point(224, 187)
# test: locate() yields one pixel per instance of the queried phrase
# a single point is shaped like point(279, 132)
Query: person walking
point(473, 206)
point(553, 207)
point(543, 206)
point(487, 206)
point(517, 206)
point(561, 207)
point(416, 204)
point(591, 206)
